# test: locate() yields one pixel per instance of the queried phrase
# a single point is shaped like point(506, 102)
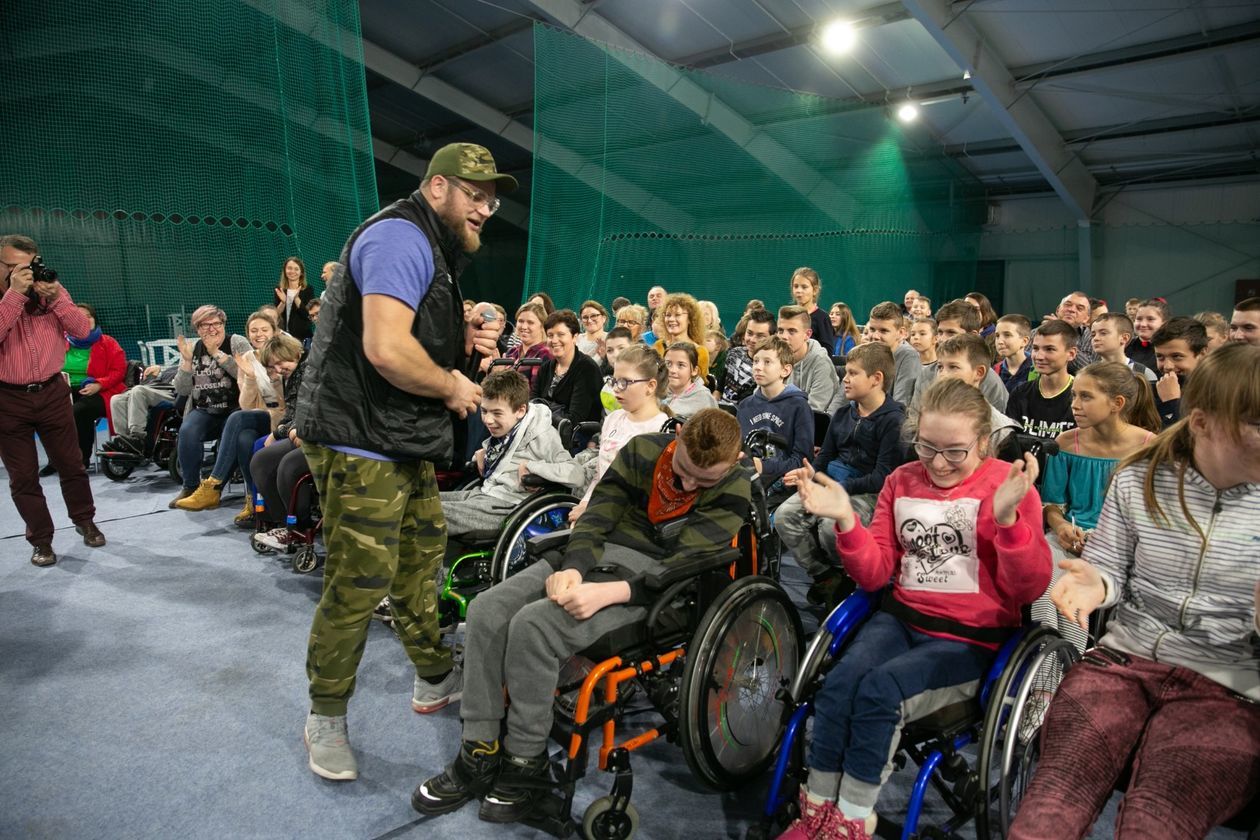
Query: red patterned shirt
point(33, 336)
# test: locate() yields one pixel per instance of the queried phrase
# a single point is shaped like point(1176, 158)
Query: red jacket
point(945, 553)
point(107, 366)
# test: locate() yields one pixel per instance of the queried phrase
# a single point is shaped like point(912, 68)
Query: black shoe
point(47, 470)
point(469, 776)
point(521, 784)
point(125, 444)
point(43, 555)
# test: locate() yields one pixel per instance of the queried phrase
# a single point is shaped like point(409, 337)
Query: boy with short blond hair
point(1011, 338)
point(782, 409)
point(863, 445)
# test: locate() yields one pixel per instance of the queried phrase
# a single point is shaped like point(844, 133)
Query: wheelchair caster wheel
point(600, 822)
point(305, 560)
point(260, 547)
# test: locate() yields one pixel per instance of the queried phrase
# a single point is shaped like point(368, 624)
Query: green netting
point(166, 155)
point(646, 174)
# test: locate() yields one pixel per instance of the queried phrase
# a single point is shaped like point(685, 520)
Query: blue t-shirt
point(392, 257)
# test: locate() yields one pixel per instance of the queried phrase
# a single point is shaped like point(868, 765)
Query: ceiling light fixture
point(908, 112)
point(839, 36)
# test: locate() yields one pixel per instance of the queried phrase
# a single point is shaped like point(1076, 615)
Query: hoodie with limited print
point(788, 415)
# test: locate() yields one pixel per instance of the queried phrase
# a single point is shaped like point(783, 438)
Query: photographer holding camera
point(36, 315)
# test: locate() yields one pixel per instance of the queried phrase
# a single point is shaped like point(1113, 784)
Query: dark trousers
point(87, 410)
point(1195, 751)
point(276, 470)
point(197, 428)
point(47, 413)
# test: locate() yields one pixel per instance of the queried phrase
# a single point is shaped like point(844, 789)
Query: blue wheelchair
point(978, 755)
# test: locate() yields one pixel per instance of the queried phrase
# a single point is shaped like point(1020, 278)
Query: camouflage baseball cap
point(470, 162)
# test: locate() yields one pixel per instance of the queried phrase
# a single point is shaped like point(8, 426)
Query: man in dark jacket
point(386, 371)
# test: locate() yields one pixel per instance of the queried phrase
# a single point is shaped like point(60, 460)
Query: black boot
point(470, 775)
point(521, 784)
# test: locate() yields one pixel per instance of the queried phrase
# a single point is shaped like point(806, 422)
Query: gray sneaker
point(427, 697)
point(329, 747)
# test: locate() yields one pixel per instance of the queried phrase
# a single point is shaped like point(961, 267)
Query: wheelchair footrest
point(551, 815)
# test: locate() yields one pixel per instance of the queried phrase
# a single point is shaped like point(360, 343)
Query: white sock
point(853, 812)
point(822, 786)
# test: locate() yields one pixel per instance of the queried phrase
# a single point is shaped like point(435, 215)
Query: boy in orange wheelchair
point(664, 499)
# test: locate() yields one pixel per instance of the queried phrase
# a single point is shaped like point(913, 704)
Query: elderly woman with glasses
point(633, 318)
point(207, 376)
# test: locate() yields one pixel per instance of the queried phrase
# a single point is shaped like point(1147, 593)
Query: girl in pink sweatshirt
point(959, 536)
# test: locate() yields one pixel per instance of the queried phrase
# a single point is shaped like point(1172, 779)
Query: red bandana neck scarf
point(667, 501)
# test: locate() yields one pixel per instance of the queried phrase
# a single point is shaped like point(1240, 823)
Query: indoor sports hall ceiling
point(1073, 97)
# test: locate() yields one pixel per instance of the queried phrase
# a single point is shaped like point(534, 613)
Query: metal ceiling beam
point(1119, 131)
point(472, 45)
point(635, 199)
point(788, 167)
point(1020, 115)
point(782, 40)
point(1200, 43)
point(402, 72)
point(510, 211)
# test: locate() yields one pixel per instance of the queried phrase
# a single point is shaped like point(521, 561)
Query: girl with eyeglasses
point(959, 534)
point(638, 382)
point(594, 318)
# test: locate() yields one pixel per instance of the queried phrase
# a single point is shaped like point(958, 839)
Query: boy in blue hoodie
point(781, 408)
point(862, 447)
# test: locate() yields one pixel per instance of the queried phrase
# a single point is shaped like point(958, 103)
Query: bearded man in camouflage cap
point(389, 369)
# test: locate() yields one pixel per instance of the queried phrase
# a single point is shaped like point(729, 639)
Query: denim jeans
point(1195, 750)
point(889, 672)
point(240, 432)
point(197, 427)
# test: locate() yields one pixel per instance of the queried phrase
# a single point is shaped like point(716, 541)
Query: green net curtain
point(645, 174)
point(166, 155)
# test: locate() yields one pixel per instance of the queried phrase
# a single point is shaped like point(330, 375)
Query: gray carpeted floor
point(155, 688)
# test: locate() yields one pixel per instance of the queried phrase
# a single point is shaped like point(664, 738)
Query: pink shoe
point(814, 817)
point(838, 828)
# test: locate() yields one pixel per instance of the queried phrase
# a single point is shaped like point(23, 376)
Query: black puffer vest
point(344, 401)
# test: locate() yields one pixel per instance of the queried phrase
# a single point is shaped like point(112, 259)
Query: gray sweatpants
point(130, 409)
point(472, 512)
point(812, 539)
point(516, 637)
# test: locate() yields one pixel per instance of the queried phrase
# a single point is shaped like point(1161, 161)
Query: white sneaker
point(280, 539)
point(329, 747)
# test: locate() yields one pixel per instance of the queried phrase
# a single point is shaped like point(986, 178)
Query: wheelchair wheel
point(600, 823)
point(172, 466)
point(746, 648)
point(116, 470)
point(541, 515)
point(1009, 742)
point(305, 560)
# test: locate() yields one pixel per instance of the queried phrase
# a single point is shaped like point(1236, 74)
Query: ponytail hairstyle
point(1117, 380)
point(648, 364)
point(953, 397)
point(1225, 386)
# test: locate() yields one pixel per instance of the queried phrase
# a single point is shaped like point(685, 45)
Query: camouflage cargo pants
point(384, 533)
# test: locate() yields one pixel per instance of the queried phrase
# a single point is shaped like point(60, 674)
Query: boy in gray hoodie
point(812, 370)
point(520, 431)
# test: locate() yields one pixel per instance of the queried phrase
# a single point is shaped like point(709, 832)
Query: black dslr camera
point(40, 273)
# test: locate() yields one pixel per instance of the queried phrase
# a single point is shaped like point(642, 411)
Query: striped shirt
point(1182, 599)
point(33, 336)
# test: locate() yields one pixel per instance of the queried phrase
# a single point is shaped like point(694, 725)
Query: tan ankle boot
point(245, 519)
point(205, 497)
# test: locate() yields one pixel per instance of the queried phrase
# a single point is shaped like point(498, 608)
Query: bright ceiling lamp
point(908, 113)
point(839, 36)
